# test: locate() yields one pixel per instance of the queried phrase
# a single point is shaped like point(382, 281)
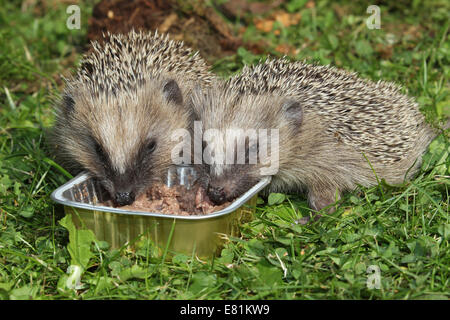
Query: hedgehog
point(115, 116)
point(334, 130)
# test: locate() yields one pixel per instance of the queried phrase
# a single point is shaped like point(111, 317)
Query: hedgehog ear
point(293, 112)
point(191, 102)
point(68, 103)
point(172, 92)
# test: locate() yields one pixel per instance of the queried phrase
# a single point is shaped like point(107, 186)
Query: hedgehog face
point(124, 140)
point(243, 138)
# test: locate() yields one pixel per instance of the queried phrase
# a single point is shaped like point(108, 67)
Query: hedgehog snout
point(216, 194)
point(124, 198)
point(230, 184)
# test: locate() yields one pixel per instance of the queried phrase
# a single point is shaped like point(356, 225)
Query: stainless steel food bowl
point(185, 234)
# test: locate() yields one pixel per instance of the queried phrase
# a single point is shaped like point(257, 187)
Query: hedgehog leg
point(319, 199)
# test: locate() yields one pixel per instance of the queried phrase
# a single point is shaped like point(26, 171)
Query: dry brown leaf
point(384, 51)
point(242, 30)
point(237, 8)
point(218, 23)
point(261, 7)
point(341, 11)
point(167, 23)
point(264, 25)
point(287, 49)
point(310, 4)
point(286, 19)
point(295, 18)
point(282, 17)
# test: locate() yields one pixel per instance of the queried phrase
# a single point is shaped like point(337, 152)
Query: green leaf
point(247, 56)
point(260, 201)
point(102, 283)
point(297, 270)
point(383, 267)
point(333, 40)
point(387, 253)
point(432, 297)
point(269, 275)
point(116, 268)
point(347, 264)
point(294, 5)
point(363, 48)
point(354, 200)
point(24, 293)
point(202, 280)
point(443, 108)
point(5, 183)
point(6, 286)
point(336, 260)
point(408, 258)
point(437, 156)
point(372, 232)
point(276, 198)
point(444, 231)
point(27, 212)
point(420, 248)
point(327, 251)
point(135, 272)
point(17, 186)
point(79, 246)
point(180, 259)
point(360, 268)
point(255, 247)
point(281, 252)
point(226, 256)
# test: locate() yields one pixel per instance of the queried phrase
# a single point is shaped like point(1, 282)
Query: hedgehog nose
point(124, 198)
point(216, 194)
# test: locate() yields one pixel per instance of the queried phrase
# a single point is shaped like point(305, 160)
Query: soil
point(175, 200)
point(199, 26)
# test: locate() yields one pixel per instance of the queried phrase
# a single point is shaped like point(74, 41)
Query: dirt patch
point(199, 26)
point(237, 8)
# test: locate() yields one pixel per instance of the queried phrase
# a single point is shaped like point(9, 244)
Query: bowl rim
point(57, 196)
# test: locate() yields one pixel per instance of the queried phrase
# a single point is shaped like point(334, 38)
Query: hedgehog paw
point(320, 200)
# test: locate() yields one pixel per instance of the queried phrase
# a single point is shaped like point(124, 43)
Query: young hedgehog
point(329, 121)
point(115, 117)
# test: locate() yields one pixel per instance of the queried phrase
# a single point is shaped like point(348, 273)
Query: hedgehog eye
point(151, 146)
point(252, 150)
point(101, 153)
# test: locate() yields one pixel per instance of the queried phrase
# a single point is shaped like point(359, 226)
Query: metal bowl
point(185, 234)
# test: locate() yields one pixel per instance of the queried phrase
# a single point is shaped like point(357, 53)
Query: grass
point(403, 230)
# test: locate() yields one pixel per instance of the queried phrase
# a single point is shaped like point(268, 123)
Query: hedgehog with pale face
point(116, 114)
point(336, 130)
